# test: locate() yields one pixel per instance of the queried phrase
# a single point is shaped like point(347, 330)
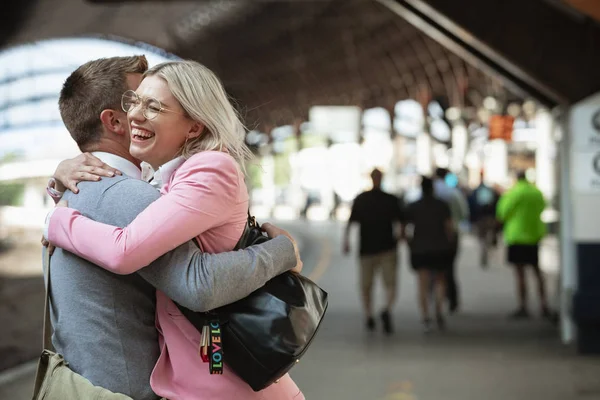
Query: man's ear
point(115, 122)
point(195, 130)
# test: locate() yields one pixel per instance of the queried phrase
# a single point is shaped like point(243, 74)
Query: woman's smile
point(140, 134)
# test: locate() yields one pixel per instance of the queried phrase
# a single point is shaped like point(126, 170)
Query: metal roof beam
point(536, 48)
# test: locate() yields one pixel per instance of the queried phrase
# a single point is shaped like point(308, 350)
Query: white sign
point(586, 171)
point(585, 124)
point(340, 123)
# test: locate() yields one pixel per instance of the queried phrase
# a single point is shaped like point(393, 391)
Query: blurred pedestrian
point(379, 215)
point(520, 209)
point(432, 240)
point(484, 200)
point(459, 210)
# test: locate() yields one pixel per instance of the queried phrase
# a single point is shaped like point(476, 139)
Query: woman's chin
point(139, 152)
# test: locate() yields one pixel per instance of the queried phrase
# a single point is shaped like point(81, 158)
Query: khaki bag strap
point(47, 322)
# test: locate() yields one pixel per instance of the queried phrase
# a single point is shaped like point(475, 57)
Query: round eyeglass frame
point(139, 100)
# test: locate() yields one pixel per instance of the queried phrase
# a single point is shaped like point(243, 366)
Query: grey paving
point(482, 356)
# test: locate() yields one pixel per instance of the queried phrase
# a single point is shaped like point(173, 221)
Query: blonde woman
point(184, 126)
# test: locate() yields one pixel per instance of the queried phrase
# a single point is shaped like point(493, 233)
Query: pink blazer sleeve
point(201, 196)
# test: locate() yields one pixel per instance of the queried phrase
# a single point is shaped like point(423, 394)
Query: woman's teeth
point(141, 134)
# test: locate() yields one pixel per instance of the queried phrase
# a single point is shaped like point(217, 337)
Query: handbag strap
point(200, 319)
point(47, 322)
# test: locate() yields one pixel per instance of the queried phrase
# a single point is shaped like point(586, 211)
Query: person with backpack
point(483, 201)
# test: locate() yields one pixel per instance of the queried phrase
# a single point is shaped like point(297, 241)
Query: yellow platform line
point(324, 261)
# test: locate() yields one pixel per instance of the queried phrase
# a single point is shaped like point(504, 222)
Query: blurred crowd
point(432, 225)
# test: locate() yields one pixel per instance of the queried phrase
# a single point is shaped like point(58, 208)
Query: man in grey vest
point(104, 324)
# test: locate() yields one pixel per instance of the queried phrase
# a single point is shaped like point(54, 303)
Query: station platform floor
point(482, 356)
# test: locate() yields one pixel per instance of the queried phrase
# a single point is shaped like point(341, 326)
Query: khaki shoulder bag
point(54, 379)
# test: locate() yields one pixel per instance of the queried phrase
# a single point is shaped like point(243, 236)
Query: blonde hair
point(201, 94)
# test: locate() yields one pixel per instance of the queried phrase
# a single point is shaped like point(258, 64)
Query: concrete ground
point(482, 356)
point(21, 300)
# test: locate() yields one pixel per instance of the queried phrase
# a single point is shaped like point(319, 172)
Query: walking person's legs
point(521, 285)
point(451, 283)
point(540, 279)
point(423, 296)
point(522, 256)
point(483, 236)
point(488, 239)
point(485, 249)
point(367, 274)
point(541, 285)
point(389, 272)
point(439, 279)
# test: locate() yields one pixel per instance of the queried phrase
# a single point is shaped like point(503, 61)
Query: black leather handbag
point(262, 336)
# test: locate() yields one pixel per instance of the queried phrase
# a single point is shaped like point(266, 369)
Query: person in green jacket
point(520, 209)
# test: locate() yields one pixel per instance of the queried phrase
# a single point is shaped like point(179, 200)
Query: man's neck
point(125, 166)
point(108, 146)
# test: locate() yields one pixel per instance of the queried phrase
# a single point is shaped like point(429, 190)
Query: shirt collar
point(164, 173)
point(168, 169)
point(120, 163)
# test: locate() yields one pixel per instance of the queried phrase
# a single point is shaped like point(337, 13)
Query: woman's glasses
point(150, 106)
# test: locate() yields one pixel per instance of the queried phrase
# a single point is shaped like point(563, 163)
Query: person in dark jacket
point(430, 244)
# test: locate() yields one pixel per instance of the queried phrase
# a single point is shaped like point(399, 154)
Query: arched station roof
point(277, 58)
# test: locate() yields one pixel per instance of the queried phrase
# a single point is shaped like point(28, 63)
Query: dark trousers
point(452, 289)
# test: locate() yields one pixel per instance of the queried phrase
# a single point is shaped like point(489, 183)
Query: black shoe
point(387, 322)
point(551, 316)
point(370, 324)
point(426, 325)
point(521, 313)
point(441, 322)
point(483, 261)
point(453, 307)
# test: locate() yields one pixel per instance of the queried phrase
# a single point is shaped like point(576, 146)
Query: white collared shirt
point(164, 173)
point(120, 163)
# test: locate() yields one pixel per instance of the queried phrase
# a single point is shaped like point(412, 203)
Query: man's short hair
point(376, 174)
point(92, 88)
point(521, 175)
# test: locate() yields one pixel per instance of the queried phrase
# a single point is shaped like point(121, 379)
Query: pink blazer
point(205, 198)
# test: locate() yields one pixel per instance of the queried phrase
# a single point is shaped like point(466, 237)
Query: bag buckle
point(204, 343)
